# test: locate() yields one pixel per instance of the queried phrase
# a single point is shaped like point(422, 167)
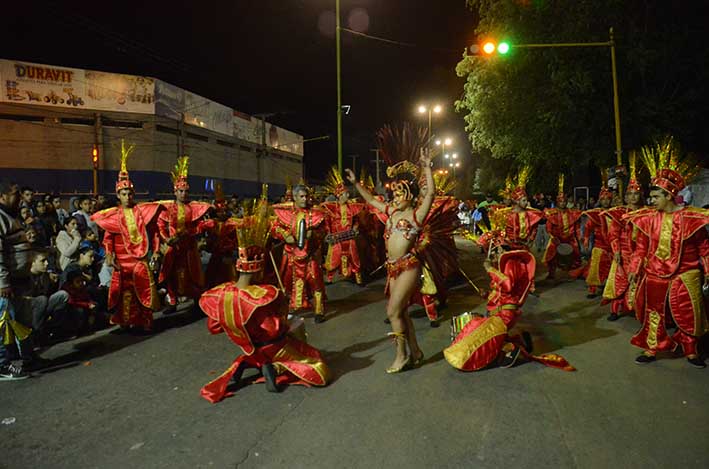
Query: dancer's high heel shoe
point(417, 360)
point(398, 336)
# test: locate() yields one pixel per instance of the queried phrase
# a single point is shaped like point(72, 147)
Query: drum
point(297, 329)
point(458, 322)
point(564, 254)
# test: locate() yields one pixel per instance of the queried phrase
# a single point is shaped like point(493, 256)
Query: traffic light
point(94, 156)
point(490, 48)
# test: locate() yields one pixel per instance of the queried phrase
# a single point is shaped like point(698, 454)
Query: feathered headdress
point(445, 183)
point(179, 175)
point(252, 234)
point(560, 195)
point(633, 184)
point(124, 181)
point(668, 170)
point(605, 192)
point(365, 180)
point(506, 192)
point(219, 200)
point(521, 183)
point(288, 196)
point(401, 148)
point(334, 183)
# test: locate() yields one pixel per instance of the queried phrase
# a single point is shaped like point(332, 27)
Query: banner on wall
point(250, 129)
point(208, 114)
point(48, 85)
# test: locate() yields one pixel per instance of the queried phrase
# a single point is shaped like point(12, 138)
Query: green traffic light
point(503, 48)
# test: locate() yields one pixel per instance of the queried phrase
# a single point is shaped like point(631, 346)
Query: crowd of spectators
point(50, 260)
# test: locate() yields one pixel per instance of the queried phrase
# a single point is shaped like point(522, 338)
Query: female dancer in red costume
point(403, 267)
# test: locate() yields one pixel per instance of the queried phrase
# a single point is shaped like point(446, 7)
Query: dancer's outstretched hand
point(425, 159)
point(350, 175)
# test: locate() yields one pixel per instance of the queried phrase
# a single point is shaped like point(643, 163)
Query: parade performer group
point(651, 260)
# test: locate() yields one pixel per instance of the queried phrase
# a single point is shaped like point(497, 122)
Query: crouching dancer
point(485, 341)
point(253, 316)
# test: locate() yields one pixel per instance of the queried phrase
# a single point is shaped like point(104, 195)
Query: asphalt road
point(119, 401)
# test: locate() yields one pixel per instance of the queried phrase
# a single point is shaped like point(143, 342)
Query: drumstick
point(469, 281)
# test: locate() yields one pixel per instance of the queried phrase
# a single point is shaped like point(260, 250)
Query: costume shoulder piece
point(107, 219)
point(148, 210)
point(259, 295)
point(199, 209)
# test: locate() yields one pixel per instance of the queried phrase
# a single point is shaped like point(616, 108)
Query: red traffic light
point(489, 47)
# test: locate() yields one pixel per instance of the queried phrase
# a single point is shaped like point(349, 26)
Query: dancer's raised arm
point(366, 195)
point(427, 200)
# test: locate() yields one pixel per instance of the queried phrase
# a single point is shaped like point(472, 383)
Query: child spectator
point(82, 308)
point(68, 242)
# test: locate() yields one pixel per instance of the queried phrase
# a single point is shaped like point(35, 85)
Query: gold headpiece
point(124, 181)
point(445, 183)
point(252, 234)
point(403, 167)
point(633, 183)
point(668, 169)
point(365, 179)
point(520, 188)
point(334, 183)
point(506, 192)
point(179, 175)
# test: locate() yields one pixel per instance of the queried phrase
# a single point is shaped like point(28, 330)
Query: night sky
point(268, 56)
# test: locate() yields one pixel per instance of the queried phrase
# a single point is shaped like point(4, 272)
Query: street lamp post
point(423, 109)
point(443, 143)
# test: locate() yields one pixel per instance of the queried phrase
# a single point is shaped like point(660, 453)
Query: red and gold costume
point(253, 317)
point(181, 267)
point(130, 233)
point(221, 243)
point(300, 267)
point(562, 226)
point(674, 254)
point(484, 340)
point(343, 231)
point(597, 223)
point(623, 237)
point(521, 226)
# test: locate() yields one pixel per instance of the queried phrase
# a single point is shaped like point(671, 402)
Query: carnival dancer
point(521, 220)
point(674, 254)
point(130, 235)
point(181, 267)
point(622, 236)
point(253, 316)
point(562, 226)
point(598, 267)
point(343, 230)
point(301, 227)
point(221, 242)
point(403, 226)
point(485, 340)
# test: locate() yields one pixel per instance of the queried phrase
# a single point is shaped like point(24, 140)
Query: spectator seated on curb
point(68, 241)
point(38, 301)
point(97, 293)
point(82, 309)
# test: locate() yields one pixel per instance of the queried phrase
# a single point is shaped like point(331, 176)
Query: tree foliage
point(553, 107)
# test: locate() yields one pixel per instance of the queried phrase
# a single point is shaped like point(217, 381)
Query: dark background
point(269, 56)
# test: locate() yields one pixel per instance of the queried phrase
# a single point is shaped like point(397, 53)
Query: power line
point(398, 43)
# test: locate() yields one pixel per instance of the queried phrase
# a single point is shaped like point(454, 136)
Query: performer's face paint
point(301, 199)
point(125, 197)
point(181, 195)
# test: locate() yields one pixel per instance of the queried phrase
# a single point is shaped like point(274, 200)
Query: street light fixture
point(423, 109)
point(443, 143)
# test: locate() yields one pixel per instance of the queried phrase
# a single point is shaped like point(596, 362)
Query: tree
point(552, 108)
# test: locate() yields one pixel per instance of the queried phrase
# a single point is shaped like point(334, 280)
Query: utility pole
point(181, 136)
point(339, 86)
point(97, 147)
point(376, 162)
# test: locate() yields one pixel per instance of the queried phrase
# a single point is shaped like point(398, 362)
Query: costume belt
point(505, 307)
